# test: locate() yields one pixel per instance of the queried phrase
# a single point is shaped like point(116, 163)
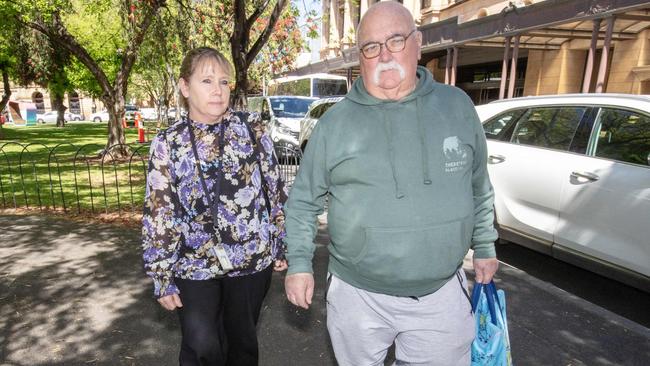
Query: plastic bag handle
point(490, 295)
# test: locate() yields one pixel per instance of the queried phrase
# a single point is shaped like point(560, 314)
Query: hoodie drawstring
point(423, 143)
point(388, 127)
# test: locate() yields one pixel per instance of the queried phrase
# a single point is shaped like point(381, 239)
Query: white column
point(348, 24)
point(325, 29)
point(334, 41)
point(604, 59)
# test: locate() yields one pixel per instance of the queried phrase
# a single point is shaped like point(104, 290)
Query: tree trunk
point(176, 89)
point(241, 87)
point(115, 146)
point(7, 90)
point(57, 105)
point(242, 55)
point(5, 96)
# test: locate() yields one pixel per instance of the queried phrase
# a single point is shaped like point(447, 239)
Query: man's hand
point(485, 269)
point(171, 302)
point(300, 289)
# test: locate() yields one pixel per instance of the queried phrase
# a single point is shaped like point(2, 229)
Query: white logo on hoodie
point(455, 154)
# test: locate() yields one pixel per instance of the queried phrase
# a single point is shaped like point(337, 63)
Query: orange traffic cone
point(138, 122)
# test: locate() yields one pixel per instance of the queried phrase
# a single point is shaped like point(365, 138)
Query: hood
point(292, 123)
point(424, 86)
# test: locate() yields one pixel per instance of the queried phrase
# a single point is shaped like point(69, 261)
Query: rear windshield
point(291, 107)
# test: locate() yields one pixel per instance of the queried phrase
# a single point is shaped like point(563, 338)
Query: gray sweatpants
point(436, 329)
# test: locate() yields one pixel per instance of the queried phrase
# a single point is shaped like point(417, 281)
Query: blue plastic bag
point(491, 346)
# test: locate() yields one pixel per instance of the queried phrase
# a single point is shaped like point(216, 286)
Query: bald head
point(384, 9)
point(388, 70)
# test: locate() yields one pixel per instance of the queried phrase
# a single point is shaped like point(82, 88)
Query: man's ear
point(185, 88)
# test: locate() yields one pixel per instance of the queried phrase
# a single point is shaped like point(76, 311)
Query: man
point(402, 160)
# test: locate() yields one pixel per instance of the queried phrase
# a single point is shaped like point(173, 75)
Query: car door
point(605, 200)
point(525, 165)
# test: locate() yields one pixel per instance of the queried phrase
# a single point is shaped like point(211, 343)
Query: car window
point(317, 111)
point(623, 135)
point(265, 106)
point(290, 107)
point(497, 127)
point(326, 106)
point(549, 127)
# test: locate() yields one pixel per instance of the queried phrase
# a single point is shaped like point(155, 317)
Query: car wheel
point(77, 119)
point(41, 121)
point(97, 119)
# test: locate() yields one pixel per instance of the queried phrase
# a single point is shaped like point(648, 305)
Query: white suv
point(571, 176)
point(282, 115)
point(316, 110)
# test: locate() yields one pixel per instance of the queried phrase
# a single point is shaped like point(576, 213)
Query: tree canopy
point(106, 48)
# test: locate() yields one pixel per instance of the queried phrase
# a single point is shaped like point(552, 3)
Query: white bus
point(313, 85)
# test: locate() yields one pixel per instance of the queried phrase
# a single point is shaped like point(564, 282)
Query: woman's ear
point(185, 87)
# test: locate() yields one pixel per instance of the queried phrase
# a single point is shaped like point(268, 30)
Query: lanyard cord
point(214, 203)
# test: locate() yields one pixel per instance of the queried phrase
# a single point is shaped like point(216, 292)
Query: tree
point(243, 53)
point(185, 24)
point(7, 61)
point(154, 75)
point(42, 63)
point(49, 18)
point(6, 64)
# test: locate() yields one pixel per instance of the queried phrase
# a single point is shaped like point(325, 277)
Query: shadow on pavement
point(75, 294)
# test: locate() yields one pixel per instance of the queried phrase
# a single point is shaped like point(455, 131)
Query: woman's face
point(207, 91)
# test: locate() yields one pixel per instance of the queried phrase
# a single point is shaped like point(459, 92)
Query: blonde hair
point(195, 57)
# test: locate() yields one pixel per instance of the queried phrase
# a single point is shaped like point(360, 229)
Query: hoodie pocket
point(413, 256)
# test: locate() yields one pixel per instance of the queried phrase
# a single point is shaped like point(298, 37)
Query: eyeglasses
point(393, 44)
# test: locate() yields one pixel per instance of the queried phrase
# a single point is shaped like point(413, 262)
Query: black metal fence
point(85, 179)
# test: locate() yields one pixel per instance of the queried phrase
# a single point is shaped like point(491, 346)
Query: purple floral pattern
point(178, 233)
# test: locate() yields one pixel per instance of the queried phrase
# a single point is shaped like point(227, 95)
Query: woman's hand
point(280, 265)
point(171, 302)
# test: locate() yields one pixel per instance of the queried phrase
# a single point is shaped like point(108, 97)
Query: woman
point(213, 219)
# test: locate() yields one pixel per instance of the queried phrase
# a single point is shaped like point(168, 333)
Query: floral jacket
point(178, 234)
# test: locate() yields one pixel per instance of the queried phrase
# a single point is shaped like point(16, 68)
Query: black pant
point(219, 318)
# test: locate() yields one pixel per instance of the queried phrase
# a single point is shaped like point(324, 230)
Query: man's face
point(389, 72)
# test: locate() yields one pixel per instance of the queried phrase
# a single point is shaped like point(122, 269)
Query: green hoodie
point(407, 187)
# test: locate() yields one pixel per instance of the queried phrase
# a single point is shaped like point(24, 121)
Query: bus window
point(329, 87)
point(314, 85)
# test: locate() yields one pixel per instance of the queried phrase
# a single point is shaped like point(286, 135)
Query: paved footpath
point(75, 294)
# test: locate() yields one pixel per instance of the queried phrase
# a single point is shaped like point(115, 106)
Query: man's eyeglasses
point(393, 44)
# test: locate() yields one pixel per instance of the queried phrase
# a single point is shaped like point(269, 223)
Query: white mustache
point(385, 66)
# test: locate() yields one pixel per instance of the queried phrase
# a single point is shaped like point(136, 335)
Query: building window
point(37, 99)
point(424, 4)
point(74, 102)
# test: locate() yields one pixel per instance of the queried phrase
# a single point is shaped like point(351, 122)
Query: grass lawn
point(51, 168)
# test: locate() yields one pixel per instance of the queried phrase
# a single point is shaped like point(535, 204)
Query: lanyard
point(218, 249)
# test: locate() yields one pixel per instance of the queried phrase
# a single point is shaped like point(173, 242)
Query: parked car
point(100, 116)
point(282, 114)
point(307, 124)
point(51, 116)
point(171, 114)
point(129, 114)
point(149, 114)
point(571, 176)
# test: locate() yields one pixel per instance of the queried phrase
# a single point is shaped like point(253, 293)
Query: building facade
point(496, 49)
point(38, 98)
